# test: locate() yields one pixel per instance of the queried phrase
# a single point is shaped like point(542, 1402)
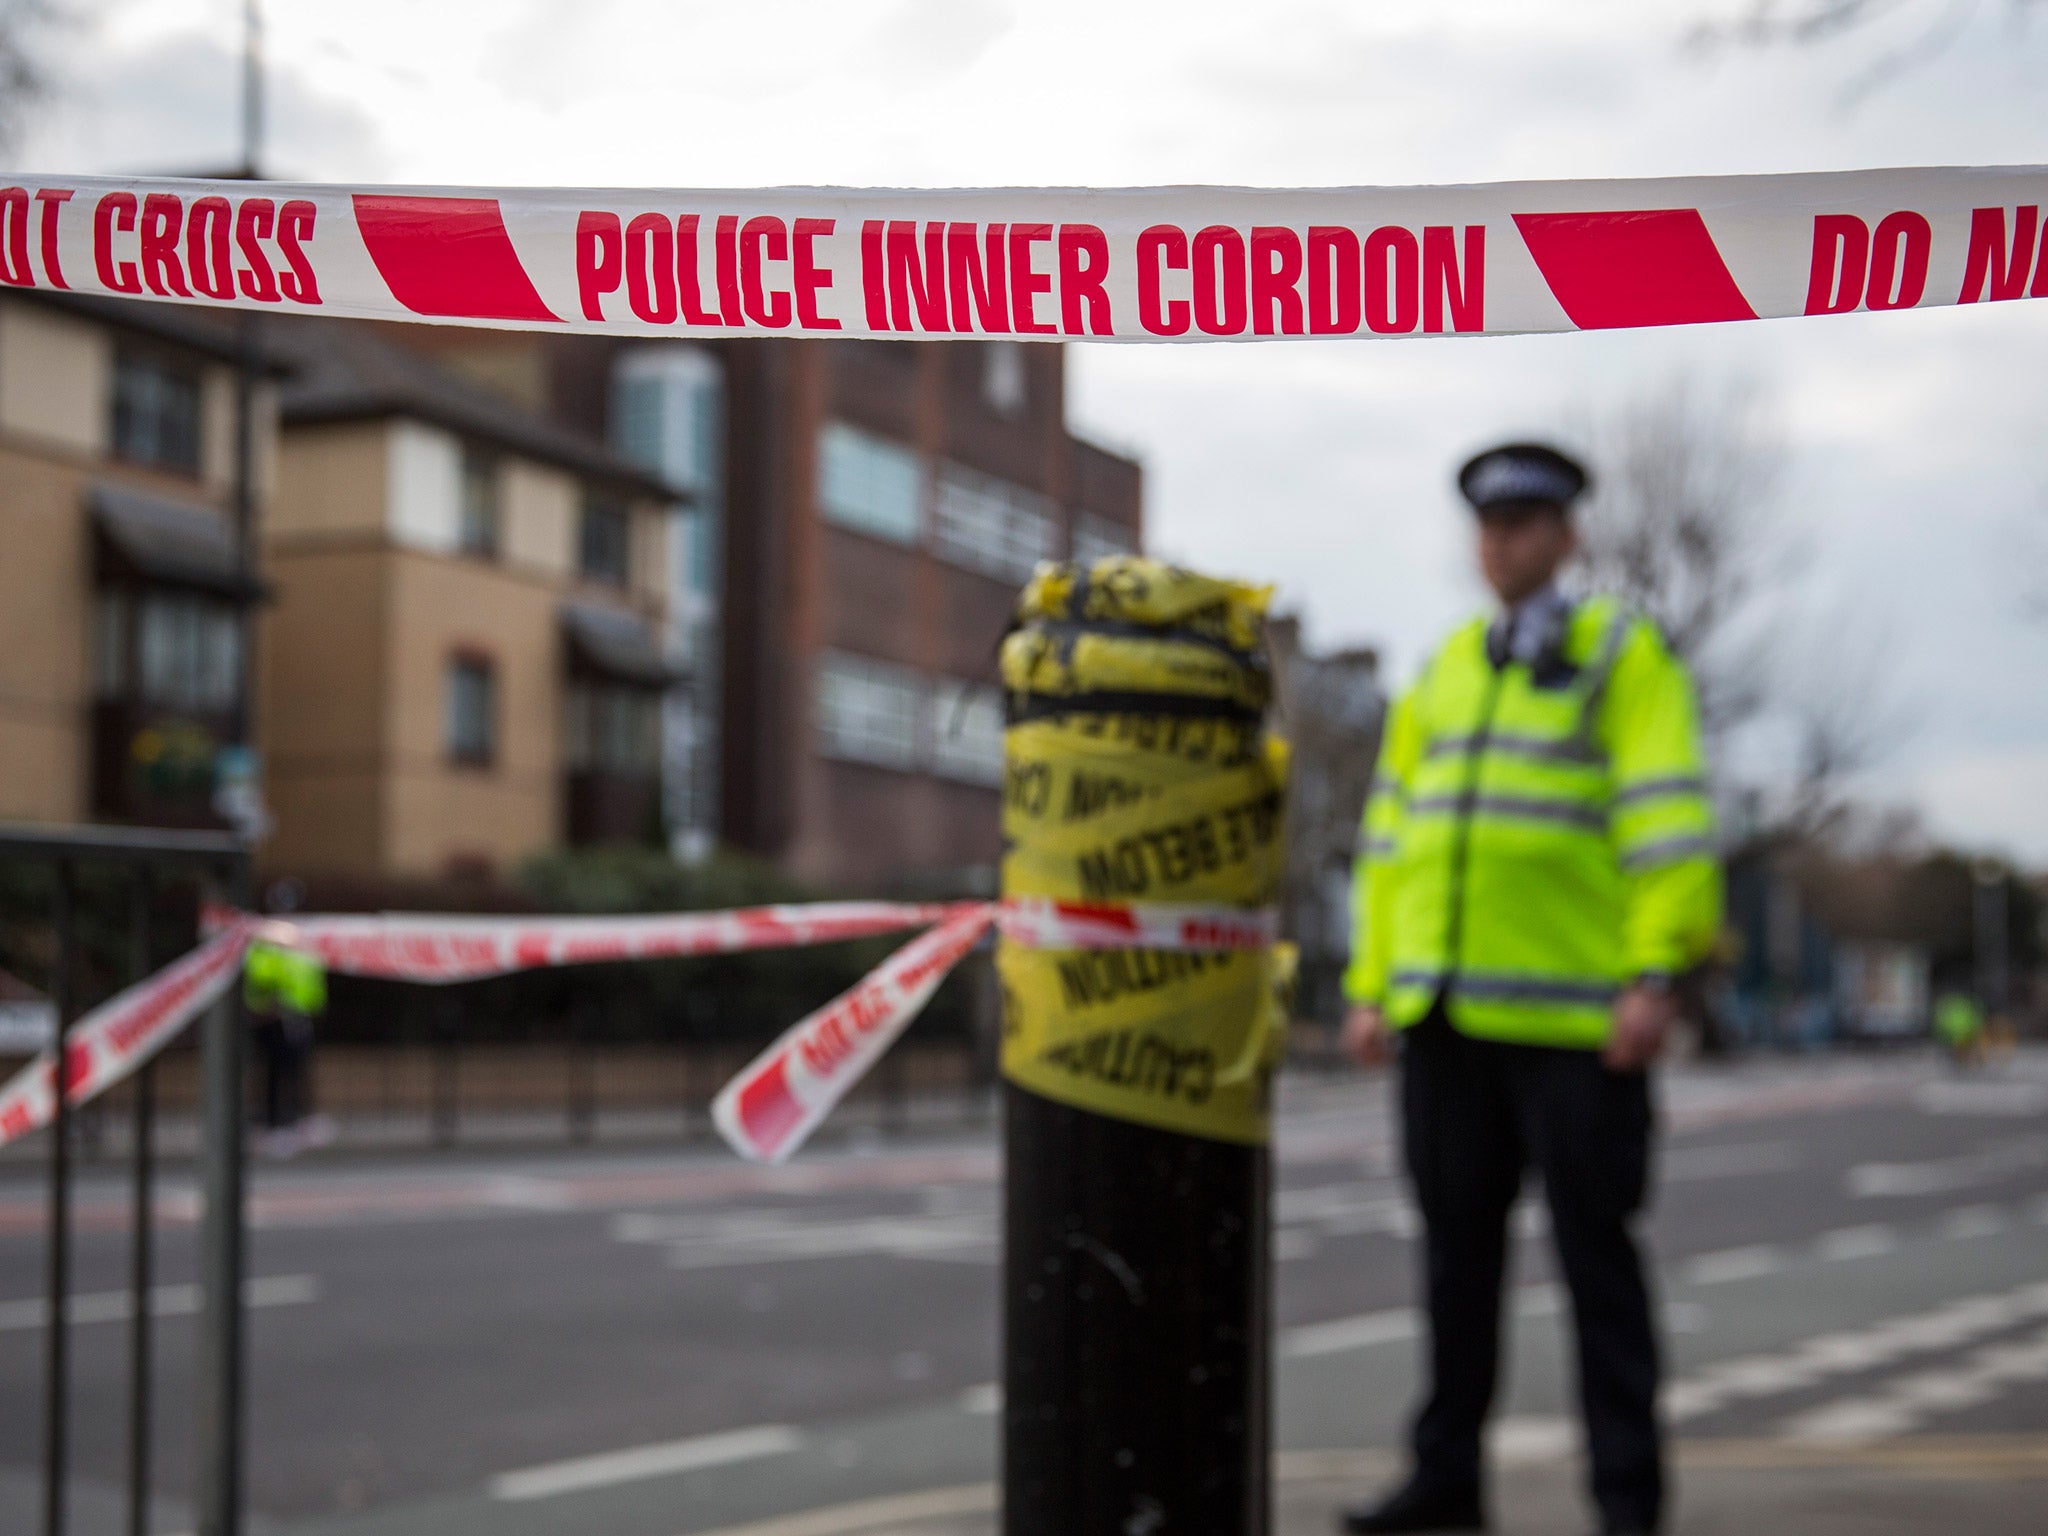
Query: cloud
point(927, 38)
point(1996, 800)
point(172, 104)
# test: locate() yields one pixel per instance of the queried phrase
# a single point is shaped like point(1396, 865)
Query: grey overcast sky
point(1918, 493)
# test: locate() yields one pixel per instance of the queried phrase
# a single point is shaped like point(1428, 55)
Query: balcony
point(155, 766)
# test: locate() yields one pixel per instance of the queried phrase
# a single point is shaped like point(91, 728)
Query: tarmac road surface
point(1853, 1251)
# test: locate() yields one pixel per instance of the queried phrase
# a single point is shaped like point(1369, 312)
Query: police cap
point(1521, 472)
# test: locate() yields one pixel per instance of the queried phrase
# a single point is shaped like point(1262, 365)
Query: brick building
point(870, 509)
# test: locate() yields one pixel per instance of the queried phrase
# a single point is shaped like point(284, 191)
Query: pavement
point(1853, 1255)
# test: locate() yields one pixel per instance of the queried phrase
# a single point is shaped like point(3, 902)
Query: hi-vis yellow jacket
point(1532, 847)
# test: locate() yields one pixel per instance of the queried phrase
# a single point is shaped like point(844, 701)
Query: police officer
point(1538, 868)
point(284, 987)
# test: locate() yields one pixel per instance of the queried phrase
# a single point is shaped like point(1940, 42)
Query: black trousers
point(1476, 1114)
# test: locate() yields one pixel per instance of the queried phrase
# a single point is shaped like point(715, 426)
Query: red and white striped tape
point(1042, 923)
point(1149, 264)
point(125, 1031)
point(430, 948)
point(782, 1095)
point(766, 1112)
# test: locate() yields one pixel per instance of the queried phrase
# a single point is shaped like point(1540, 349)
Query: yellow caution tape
point(1137, 770)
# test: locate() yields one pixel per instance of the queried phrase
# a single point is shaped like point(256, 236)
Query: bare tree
point(25, 26)
point(1831, 683)
point(1925, 29)
point(1680, 524)
point(1684, 524)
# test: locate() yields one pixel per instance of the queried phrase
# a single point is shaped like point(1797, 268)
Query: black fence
point(114, 900)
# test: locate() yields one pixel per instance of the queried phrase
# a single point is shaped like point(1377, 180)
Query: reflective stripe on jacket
point(1529, 849)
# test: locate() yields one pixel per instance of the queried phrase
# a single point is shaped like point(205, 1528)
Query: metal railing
point(147, 853)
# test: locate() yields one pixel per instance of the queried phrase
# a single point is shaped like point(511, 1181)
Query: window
point(989, 525)
point(471, 706)
point(476, 530)
point(188, 650)
point(869, 483)
point(668, 412)
point(1003, 383)
point(156, 411)
point(1096, 538)
point(967, 731)
point(614, 728)
point(604, 550)
point(869, 711)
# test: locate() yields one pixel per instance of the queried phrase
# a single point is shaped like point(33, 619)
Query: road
point(1853, 1252)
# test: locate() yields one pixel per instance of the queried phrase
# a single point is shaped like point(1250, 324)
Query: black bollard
point(1136, 1305)
point(1136, 1361)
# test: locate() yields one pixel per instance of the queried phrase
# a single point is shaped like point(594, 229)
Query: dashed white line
point(1533, 1439)
point(1902, 1405)
point(1733, 1264)
point(1855, 1242)
point(1972, 1221)
point(1814, 1360)
point(164, 1301)
point(643, 1461)
point(1348, 1333)
point(1395, 1324)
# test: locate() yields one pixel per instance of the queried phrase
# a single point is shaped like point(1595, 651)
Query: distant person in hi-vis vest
point(1538, 869)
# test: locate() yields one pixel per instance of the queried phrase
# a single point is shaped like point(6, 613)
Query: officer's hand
point(1643, 1017)
point(1365, 1036)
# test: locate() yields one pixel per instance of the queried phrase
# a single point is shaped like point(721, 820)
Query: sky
point(1915, 505)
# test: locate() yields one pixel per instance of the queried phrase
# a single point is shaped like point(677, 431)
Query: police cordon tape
point(1148, 264)
point(125, 1031)
point(766, 1112)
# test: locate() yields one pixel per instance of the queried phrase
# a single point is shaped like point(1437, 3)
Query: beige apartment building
point(466, 654)
point(121, 590)
point(460, 612)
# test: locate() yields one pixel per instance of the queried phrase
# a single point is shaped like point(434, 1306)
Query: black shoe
point(1413, 1507)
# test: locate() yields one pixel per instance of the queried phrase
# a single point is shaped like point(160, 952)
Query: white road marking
point(164, 1301)
point(1733, 1264)
point(1533, 1439)
point(1993, 1098)
point(1348, 1333)
point(1349, 1210)
point(1323, 1201)
point(1395, 1324)
point(1972, 1221)
point(612, 1467)
point(1946, 1175)
point(1855, 1242)
point(1902, 1405)
point(1816, 1359)
point(722, 1239)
